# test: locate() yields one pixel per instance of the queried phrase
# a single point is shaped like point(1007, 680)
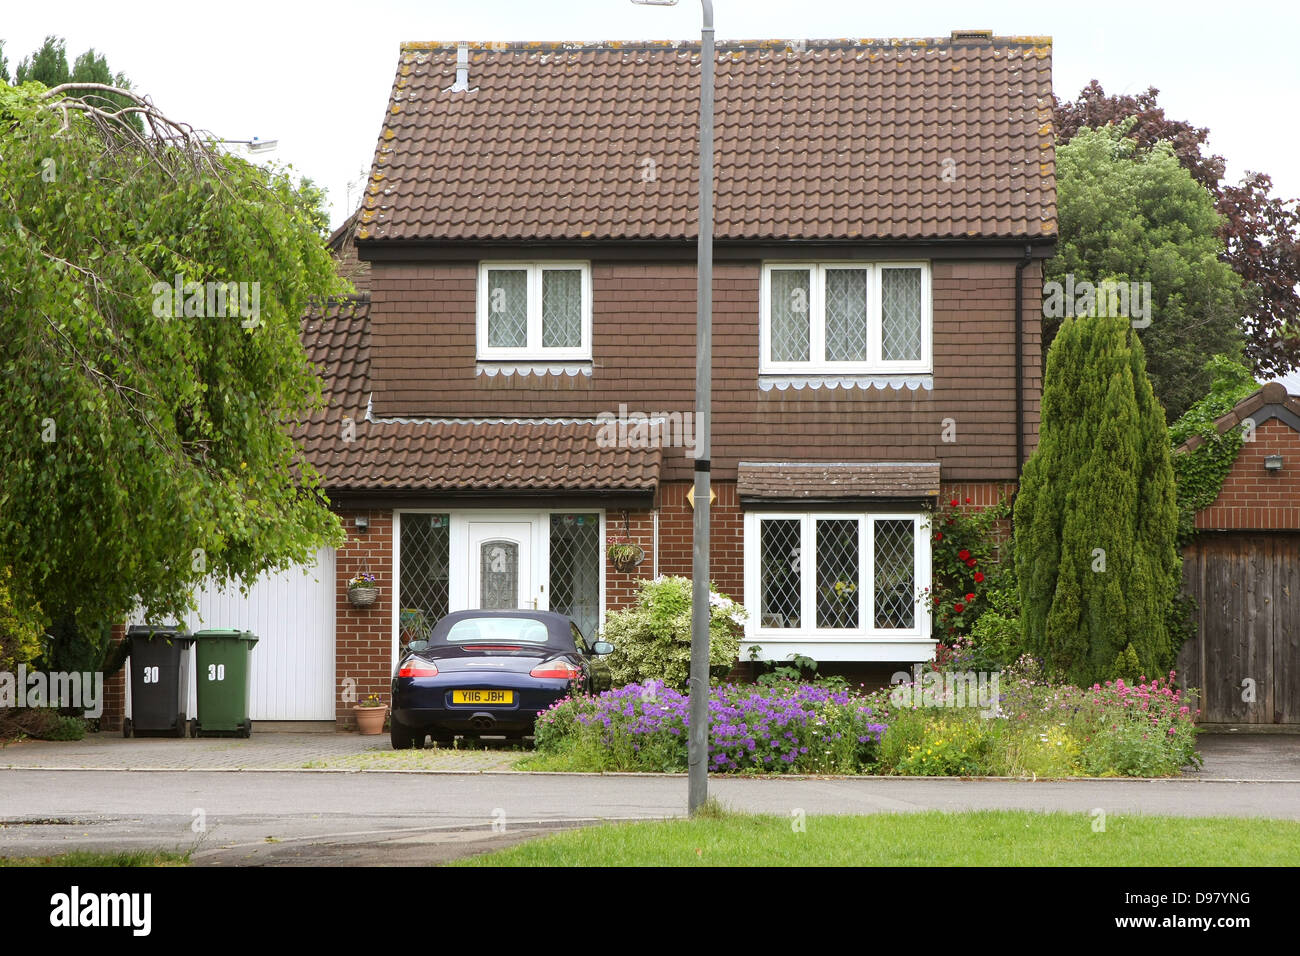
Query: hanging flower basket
point(362, 591)
point(624, 554)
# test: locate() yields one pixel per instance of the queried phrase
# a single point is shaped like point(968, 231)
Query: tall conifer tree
point(1096, 517)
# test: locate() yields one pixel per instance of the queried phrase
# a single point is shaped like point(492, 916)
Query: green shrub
point(1126, 666)
point(20, 632)
point(652, 639)
point(41, 723)
point(951, 745)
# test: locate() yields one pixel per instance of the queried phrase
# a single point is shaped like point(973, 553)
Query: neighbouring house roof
point(343, 245)
point(816, 139)
point(357, 454)
point(829, 481)
point(1271, 401)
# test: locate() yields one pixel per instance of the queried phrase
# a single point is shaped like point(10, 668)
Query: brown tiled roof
point(1274, 393)
point(816, 139)
point(448, 455)
point(827, 481)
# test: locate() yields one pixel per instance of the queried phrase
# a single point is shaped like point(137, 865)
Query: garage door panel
point(1286, 630)
point(292, 613)
point(1248, 589)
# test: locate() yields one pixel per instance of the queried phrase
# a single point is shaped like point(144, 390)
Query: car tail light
point(555, 669)
point(417, 668)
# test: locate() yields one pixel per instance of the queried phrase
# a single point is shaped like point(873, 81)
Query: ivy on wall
point(1200, 473)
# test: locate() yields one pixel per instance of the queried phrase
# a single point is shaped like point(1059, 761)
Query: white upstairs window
point(534, 310)
point(845, 318)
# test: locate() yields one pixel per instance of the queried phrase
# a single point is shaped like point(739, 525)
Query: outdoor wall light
point(363, 523)
point(1273, 463)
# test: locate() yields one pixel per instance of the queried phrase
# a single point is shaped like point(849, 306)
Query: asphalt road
point(287, 818)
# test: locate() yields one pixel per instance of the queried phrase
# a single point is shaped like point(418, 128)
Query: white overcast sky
point(316, 75)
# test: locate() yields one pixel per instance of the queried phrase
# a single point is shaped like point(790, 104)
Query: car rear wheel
point(404, 737)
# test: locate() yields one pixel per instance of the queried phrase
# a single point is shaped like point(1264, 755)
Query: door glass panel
point(499, 575)
point(425, 558)
point(575, 568)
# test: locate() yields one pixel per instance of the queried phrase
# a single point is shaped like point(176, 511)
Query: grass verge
point(930, 838)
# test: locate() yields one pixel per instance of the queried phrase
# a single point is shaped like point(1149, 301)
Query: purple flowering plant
point(785, 728)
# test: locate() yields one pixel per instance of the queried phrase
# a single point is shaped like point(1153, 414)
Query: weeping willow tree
point(150, 293)
point(1096, 516)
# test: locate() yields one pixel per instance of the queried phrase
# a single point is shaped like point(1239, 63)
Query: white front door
point(501, 565)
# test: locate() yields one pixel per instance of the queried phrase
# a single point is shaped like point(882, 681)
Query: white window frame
point(808, 630)
point(817, 363)
point(534, 350)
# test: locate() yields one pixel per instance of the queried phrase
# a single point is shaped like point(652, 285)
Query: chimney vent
point(462, 69)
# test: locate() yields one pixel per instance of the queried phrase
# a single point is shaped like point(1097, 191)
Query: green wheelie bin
point(224, 679)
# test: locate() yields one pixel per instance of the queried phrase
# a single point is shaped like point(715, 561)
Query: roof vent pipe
point(462, 69)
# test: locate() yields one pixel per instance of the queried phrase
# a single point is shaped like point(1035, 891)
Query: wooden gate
point(1248, 644)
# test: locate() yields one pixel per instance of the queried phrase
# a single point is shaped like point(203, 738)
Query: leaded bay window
point(845, 318)
point(838, 574)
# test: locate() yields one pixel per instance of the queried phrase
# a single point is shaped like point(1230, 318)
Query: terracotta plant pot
point(363, 597)
point(370, 720)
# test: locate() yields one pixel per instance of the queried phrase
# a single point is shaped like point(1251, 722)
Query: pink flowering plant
point(1038, 727)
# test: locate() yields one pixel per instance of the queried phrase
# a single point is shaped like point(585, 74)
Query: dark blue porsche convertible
point(490, 672)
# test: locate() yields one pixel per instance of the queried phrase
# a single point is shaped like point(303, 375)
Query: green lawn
point(932, 838)
point(87, 858)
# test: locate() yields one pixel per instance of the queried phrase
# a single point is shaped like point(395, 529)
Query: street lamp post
point(698, 741)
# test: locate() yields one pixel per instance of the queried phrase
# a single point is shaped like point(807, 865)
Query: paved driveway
point(265, 751)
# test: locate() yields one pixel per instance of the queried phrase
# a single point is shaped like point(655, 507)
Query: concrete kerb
point(671, 776)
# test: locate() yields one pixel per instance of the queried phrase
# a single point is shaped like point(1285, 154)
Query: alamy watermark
point(84, 691)
point(646, 430)
point(1129, 300)
point(208, 300)
point(950, 689)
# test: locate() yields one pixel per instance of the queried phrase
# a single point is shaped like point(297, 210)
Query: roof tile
point(817, 140)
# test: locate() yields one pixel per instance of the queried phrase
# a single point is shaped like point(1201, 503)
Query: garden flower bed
point(1032, 728)
point(789, 728)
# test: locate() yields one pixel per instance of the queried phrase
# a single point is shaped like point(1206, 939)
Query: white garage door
point(292, 613)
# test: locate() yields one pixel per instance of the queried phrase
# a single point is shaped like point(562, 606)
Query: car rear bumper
point(425, 703)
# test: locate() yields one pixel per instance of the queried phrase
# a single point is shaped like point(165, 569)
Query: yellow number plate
point(482, 697)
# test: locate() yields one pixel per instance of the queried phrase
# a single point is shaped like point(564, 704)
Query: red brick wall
point(1252, 498)
point(364, 636)
point(115, 690)
point(726, 536)
point(621, 587)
